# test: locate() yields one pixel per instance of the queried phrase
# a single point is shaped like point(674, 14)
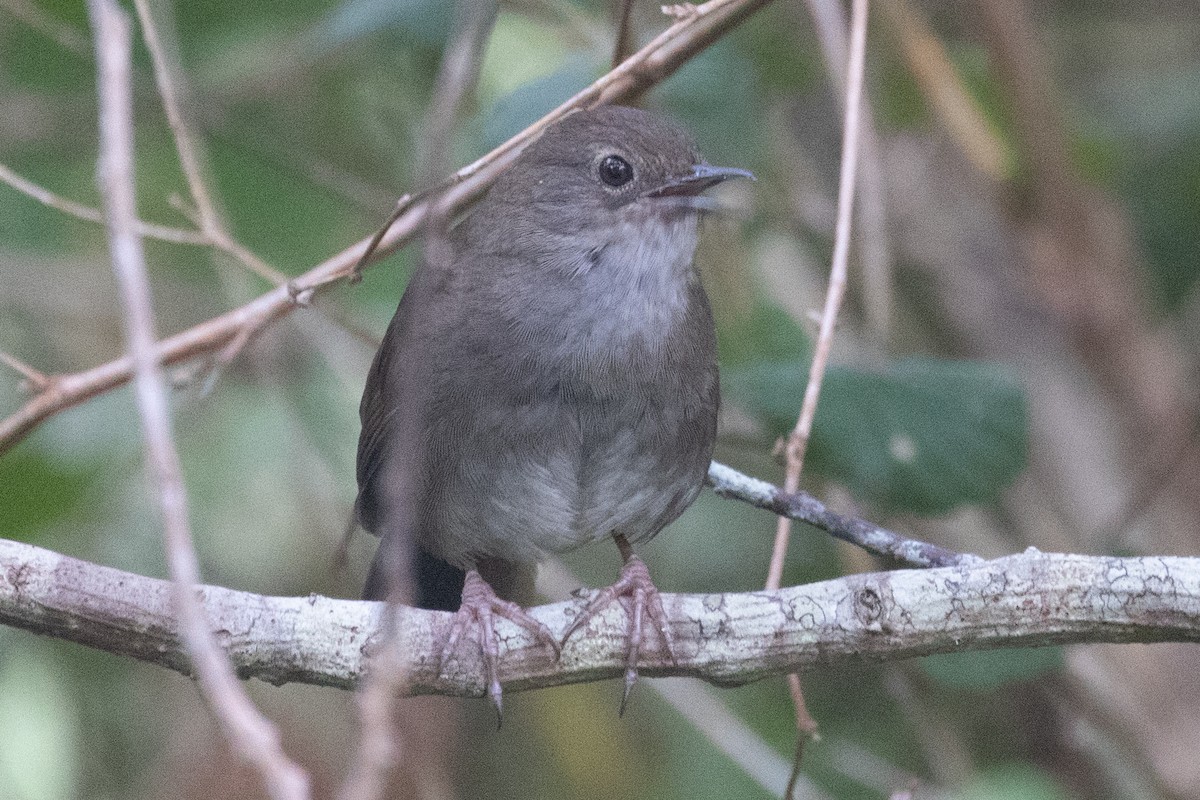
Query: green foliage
point(309, 117)
point(711, 92)
point(1164, 190)
point(36, 490)
point(514, 112)
point(1013, 782)
point(425, 23)
point(986, 670)
point(766, 334)
point(925, 435)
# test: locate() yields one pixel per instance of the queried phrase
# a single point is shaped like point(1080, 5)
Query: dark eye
point(615, 171)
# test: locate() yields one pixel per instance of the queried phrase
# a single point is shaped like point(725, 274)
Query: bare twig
point(387, 677)
point(252, 736)
point(624, 25)
point(220, 239)
point(89, 214)
point(649, 66)
point(188, 160)
point(207, 218)
point(1027, 600)
point(829, 21)
point(67, 36)
point(798, 440)
point(37, 381)
point(803, 507)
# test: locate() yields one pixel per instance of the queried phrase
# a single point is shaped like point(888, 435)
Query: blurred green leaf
point(291, 229)
point(31, 64)
point(713, 95)
point(1163, 189)
point(36, 490)
point(925, 436)
point(421, 22)
point(38, 730)
point(767, 333)
point(1013, 782)
point(782, 63)
point(988, 669)
point(525, 105)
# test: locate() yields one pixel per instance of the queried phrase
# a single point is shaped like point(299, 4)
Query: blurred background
point(1016, 366)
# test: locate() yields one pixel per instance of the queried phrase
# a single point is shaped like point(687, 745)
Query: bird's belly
point(571, 475)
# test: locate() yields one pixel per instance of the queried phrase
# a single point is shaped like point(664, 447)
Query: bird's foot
point(480, 606)
point(640, 597)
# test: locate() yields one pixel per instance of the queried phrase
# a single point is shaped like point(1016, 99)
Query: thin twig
point(89, 214)
point(624, 40)
point(220, 239)
point(830, 24)
point(379, 747)
point(67, 36)
point(37, 381)
point(207, 218)
point(646, 68)
point(803, 507)
point(798, 440)
point(188, 160)
point(251, 735)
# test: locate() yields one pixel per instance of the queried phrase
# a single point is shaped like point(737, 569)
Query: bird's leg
point(480, 605)
point(638, 594)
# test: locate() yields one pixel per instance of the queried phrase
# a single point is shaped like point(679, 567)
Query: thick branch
point(1026, 600)
point(651, 65)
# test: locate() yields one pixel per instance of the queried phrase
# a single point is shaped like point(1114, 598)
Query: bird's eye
point(615, 171)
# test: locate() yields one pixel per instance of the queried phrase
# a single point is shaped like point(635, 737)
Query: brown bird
point(549, 379)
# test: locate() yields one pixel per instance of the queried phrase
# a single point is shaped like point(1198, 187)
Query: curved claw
point(634, 584)
point(480, 605)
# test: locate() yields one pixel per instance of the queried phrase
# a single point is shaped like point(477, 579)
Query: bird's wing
point(395, 399)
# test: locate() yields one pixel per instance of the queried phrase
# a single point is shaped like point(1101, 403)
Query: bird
point(549, 380)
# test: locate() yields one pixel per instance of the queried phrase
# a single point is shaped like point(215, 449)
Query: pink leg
point(641, 600)
point(481, 606)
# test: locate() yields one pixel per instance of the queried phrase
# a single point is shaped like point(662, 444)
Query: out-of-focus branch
point(67, 36)
point(457, 77)
point(380, 737)
point(944, 90)
point(89, 214)
point(36, 380)
point(797, 442)
point(832, 30)
point(1027, 600)
point(1082, 263)
point(641, 71)
point(624, 25)
point(250, 734)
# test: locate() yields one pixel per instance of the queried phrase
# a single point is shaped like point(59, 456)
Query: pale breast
point(594, 410)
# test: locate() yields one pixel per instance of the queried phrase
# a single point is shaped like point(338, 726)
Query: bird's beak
point(702, 176)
